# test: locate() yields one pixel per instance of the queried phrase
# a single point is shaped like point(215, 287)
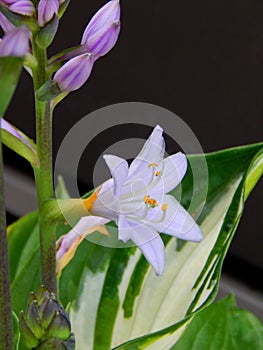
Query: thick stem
point(6, 325)
point(44, 173)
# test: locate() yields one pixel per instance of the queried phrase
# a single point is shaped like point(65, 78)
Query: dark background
point(200, 59)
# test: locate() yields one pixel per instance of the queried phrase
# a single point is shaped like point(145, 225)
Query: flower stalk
point(44, 173)
point(6, 327)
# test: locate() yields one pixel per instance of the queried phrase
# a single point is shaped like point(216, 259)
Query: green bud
point(57, 344)
point(60, 326)
point(46, 34)
point(48, 91)
point(34, 320)
point(27, 335)
point(45, 325)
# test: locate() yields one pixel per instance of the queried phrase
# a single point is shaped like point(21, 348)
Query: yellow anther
point(145, 198)
point(164, 207)
point(152, 164)
point(157, 173)
point(151, 201)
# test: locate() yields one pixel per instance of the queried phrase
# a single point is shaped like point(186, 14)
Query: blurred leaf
point(222, 326)
point(10, 68)
point(19, 142)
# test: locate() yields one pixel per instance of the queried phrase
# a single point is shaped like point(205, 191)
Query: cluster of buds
point(46, 9)
point(45, 325)
point(98, 39)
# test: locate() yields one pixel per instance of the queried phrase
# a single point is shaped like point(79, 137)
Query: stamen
point(164, 207)
point(151, 201)
point(152, 165)
point(145, 198)
point(158, 173)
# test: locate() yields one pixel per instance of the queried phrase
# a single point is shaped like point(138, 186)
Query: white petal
point(152, 152)
point(119, 171)
point(106, 203)
point(68, 244)
point(177, 221)
point(172, 173)
point(147, 240)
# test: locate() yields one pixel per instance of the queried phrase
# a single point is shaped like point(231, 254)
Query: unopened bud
point(59, 326)
point(22, 7)
point(47, 9)
point(103, 30)
point(15, 43)
point(45, 325)
point(72, 75)
point(6, 25)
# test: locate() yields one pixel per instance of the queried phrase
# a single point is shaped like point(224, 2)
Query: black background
point(200, 59)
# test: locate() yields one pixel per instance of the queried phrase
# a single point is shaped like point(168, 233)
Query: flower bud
point(72, 75)
point(6, 25)
point(45, 325)
point(47, 9)
point(15, 42)
point(22, 7)
point(103, 30)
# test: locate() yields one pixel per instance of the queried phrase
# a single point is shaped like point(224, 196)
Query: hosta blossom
point(136, 198)
point(15, 42)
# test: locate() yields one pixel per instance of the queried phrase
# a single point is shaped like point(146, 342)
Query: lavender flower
point(137, 200)
point(103, 30)
point(47, 9)
point(15, 42)
point(22, 7)
point(74, 73)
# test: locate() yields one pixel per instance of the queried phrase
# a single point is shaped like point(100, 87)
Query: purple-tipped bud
point(15, 43)
point(103, 30)
point(74, 73)
point(47, 9)
point(22, 7)
point(6, 25)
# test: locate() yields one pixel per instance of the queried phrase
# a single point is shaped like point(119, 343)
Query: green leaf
point(10, 68)
point(16, 331)
point(115, 296)
point(222, 326)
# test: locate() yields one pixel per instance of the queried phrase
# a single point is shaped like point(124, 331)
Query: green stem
point(6, 325)
point(44, 173)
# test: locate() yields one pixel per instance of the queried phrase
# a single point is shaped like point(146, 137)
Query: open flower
point(136, 200)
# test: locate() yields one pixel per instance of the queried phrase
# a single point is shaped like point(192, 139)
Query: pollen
point(152, 165)
point(164, 207)
point(158, 173)
point(151, 201)
point(145, 198)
